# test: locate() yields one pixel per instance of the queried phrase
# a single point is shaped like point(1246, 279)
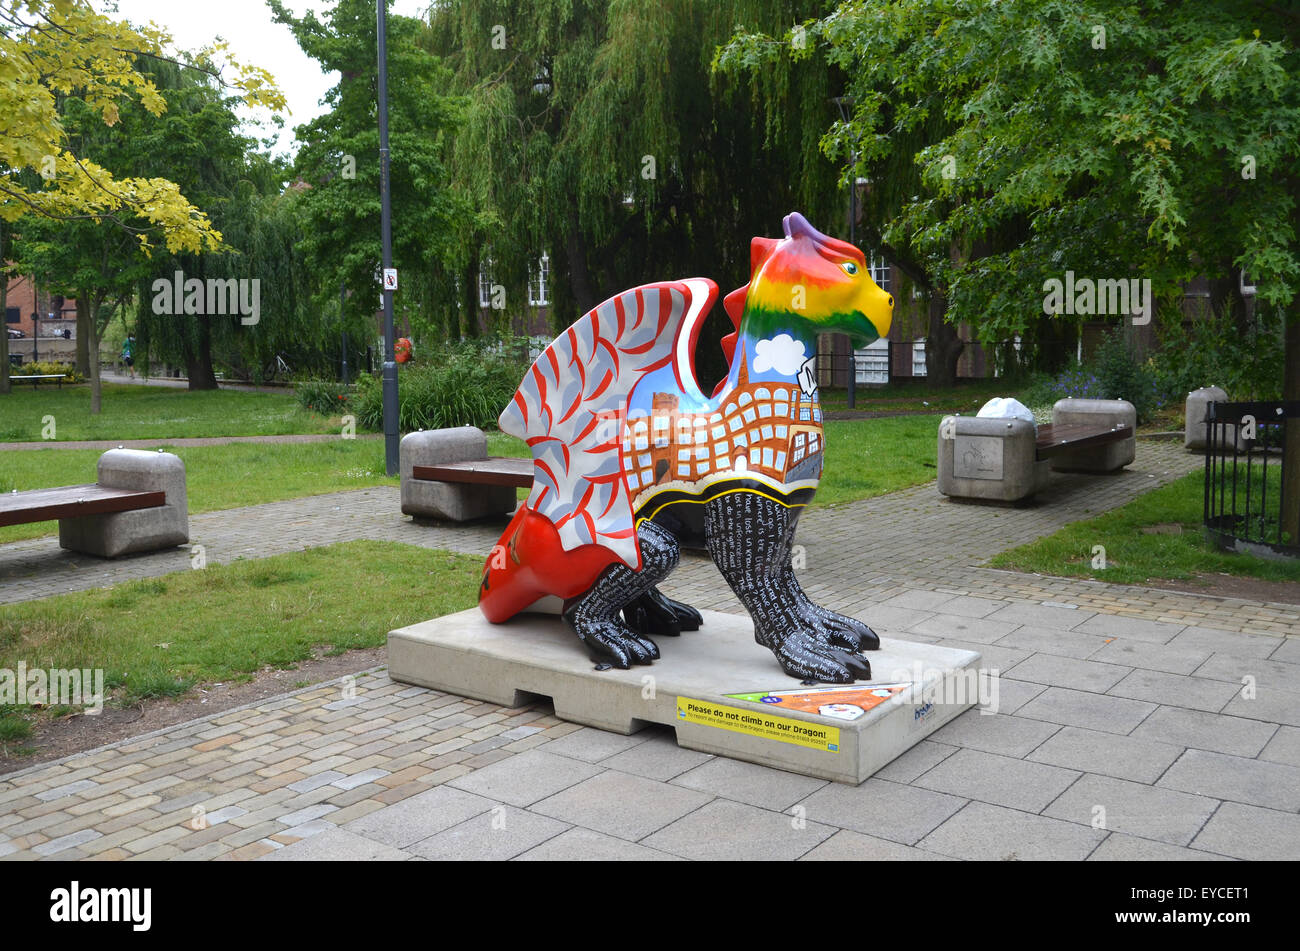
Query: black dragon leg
point(749, 537)
point(841, 630)
point(653, 614)
point(593, 616)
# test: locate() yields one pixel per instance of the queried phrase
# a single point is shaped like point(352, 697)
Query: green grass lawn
point(150, 412)
point(1134, 556)
point(218, 477)
point(161, 636)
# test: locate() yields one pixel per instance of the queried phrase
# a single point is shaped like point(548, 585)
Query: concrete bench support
point(456, 502)
point(120, 533)
point(1106, 413)
point(1195, 411)
point(984, 458)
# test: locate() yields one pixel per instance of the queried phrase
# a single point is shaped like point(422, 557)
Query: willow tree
point(338, 163)
point(596, 132)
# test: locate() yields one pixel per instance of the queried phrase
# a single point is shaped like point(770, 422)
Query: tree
point(339, 160)
point(1158, 141)
point(596, 132)
point(52, 49)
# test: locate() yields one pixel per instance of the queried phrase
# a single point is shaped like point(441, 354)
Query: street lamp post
point(386, 226)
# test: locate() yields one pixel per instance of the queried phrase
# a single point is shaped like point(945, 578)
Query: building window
point(873, 363)
point(879, 269)
point(539, 282)
point(918, 358)
point(485, 281)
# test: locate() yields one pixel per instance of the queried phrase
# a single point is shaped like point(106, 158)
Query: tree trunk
point(92, 349)
point(199, 365)
point(84, 333)
point(943, 346)
point(579, 278)
point(4, 296)
point(1291, 452)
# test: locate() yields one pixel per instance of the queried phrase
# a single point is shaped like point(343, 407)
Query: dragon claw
point(653, 613)
point(609, 642)
point(803, 654)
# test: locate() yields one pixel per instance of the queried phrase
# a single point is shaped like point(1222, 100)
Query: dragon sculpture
point(632, 459)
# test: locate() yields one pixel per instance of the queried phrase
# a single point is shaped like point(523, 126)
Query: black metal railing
point(1246, 488)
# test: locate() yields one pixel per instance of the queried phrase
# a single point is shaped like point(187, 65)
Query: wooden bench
point(446, 474)
point(73, 501)
point(1008, 459)
point(37, 377)
point(138, 504)
point(495, 470)
point(1055, 439)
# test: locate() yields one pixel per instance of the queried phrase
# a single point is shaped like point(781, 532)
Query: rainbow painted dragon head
point(805, 284)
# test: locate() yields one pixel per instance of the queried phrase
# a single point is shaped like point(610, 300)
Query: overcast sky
point(254, 38)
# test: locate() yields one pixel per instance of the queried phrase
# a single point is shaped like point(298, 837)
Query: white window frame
point(871, 363)
point(486, 280)
point(878, 268)
point(539, 281)
point(918, 357)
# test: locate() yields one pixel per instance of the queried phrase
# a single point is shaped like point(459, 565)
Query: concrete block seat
point(447, 474)
point(1009, 460)
point(1195, 413)
point(137, 503)
point(1092, 421)
point(986, 458)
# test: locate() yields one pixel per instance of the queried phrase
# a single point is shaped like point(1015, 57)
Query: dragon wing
point(572, 403)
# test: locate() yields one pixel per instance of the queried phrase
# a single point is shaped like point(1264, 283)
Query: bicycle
point(277, 366)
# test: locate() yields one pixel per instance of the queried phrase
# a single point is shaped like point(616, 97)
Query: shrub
point(463, 384)
point(46, 367)
point(1113, 373)
point(324, 396)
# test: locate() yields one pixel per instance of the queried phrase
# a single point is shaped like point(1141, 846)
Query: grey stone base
point(989, 459)
point(120, 533)
point(534, 655)
point(451, 501)
point(1107, 458)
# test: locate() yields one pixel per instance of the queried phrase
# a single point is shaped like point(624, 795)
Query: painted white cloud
point(782, 353)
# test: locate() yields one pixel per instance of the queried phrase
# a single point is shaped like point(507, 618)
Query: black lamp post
point(386, 226)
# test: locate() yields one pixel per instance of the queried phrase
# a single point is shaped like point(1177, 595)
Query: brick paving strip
point(1128, 699)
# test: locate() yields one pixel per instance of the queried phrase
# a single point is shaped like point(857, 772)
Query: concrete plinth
point(1110, 413)
point(694, 688)
point(120, 533)
point(986, 458)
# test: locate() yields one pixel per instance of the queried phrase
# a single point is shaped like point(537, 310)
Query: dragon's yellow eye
point(849, 267)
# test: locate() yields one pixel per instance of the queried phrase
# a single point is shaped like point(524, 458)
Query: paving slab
point(705, 685)
point(1123, 757)
point(499, 834)
point(1148, 812)
point(849, 846)
point(339, 845)
point(1284, 747)
point(1251, 832)
point(418, 817)
point(620, 804)
point(762, 786)
point(1197, 729)
point(524, 778)
point(584, 845)
point(1119, 847)
point(1251, 781)
point(1171, 690)
point(883, 809)
point(1057, 671)
point(1091, 711)
point(984, 832)
point(732, 831)
point(659, 757)
point(1000, 780)
point(995, 733)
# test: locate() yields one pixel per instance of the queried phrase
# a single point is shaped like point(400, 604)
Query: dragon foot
point(611, 642)
point(806, 655)
point(653, 613)
point(846, 632)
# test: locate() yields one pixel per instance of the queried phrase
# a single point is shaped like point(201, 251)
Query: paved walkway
point(1118, 702)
